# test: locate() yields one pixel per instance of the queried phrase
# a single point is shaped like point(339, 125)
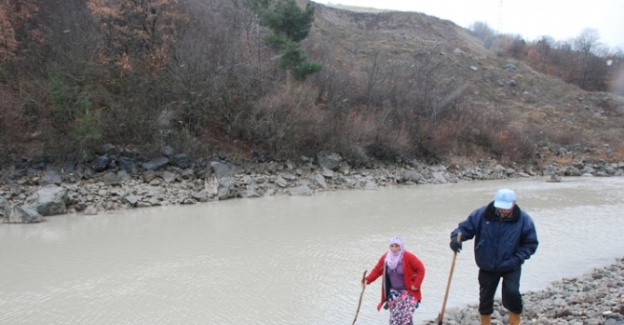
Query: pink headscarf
point(392, 259)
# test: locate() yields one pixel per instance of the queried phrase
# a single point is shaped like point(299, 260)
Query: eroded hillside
point(493, 84)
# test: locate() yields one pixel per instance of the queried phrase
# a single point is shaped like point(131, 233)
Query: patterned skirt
point(401, 306)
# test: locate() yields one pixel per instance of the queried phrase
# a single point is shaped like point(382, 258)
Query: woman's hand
point(414, 288)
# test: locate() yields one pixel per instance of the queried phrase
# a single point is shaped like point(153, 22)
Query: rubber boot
point(514, 319)
point(485, 319)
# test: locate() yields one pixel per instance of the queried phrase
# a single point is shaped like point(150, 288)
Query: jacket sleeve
point(377, 271)
point(469, 227)
point(528, 240)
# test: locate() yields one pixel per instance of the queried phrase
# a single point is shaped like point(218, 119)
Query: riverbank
point(121, 180)
point(594, 298)
point(353, 175)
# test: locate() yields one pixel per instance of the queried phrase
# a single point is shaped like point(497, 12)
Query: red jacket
point(413, 274)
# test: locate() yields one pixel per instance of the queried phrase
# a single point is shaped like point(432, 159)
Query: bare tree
point(483, 31)
point(585, 44)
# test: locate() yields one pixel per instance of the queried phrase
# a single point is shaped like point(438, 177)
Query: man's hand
point(456, 246)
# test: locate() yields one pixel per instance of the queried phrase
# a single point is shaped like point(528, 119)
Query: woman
point(403, 274)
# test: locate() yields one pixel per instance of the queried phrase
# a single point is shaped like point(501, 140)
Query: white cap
point(504, 199)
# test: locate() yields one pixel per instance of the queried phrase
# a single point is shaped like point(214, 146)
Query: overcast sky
point(560, 19)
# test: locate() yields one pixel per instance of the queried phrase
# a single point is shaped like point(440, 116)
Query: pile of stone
point(122, 180)
point(594, 298)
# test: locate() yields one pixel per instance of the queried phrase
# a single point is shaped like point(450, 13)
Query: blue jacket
point(501, 244)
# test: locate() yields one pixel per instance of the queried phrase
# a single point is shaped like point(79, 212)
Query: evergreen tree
point(290, 24)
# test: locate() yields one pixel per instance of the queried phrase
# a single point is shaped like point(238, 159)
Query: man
point(505, 237)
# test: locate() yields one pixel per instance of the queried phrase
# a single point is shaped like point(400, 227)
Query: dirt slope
point(495, 84)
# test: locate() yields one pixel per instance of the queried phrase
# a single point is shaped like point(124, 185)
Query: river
point(287, 260)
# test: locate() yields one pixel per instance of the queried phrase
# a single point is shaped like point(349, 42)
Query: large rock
point(16, 214)
point(156, 163)
point(50, 200)
point(320, 180)
point(329, 160)
point(111, 179)
point(301, 190)
point(223, 174)
point(4, 205)
point(51, 177)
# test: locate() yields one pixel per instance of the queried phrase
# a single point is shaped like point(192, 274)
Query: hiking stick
point(361, 295)
point(448, 284)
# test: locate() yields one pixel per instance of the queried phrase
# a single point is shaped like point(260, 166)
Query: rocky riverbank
point(594, 298)
point(30, 191)
point(120, 179)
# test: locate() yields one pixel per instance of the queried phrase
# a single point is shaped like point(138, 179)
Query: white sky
point(560, 19)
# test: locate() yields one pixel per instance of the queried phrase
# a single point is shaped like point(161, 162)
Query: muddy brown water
point(286, 260)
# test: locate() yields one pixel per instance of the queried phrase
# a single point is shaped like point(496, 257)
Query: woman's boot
point(514, 319)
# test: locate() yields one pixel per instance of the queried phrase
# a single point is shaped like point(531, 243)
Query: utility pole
point(500, 17)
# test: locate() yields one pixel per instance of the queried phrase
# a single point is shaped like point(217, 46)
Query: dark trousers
point(488, 282)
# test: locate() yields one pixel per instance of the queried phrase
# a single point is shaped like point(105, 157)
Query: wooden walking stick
point(448, 284)
point(361, 295)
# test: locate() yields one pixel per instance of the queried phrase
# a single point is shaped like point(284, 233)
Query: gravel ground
point(594, 298)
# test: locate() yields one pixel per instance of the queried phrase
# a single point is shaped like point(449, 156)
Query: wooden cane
point(361, 295)
point(448, 284)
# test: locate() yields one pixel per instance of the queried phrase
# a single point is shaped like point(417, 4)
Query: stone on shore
point(594, 298)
